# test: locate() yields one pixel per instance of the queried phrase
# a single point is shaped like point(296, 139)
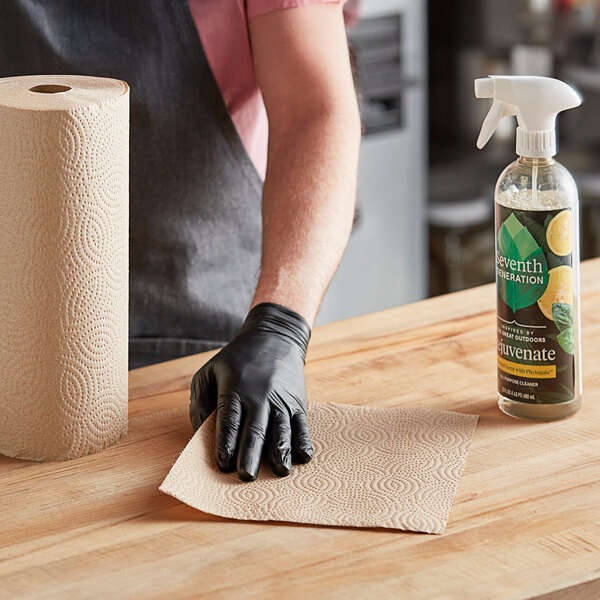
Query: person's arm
point(303, 69)
point(256, 382)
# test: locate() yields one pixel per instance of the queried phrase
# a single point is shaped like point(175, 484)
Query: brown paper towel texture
point(397, 468)
point(64, 220)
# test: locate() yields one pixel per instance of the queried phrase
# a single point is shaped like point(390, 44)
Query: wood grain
point(525, 524)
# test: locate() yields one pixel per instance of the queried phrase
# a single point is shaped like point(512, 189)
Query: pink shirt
point(223, 29)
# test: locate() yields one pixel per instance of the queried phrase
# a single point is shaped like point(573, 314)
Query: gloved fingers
point(279, 443)
point(301, 442)
point(203, 395)
point(229, 418)
point(252, 440)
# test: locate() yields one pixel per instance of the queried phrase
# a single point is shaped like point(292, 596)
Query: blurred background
point(424, 222)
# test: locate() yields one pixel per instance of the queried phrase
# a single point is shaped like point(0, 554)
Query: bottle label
point(534, 284)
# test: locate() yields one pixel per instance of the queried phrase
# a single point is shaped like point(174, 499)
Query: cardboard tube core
point(49, 88)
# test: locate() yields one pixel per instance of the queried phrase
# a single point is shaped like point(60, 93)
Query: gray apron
point(195, 196)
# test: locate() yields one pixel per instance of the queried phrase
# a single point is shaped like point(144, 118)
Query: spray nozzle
point(535, 101)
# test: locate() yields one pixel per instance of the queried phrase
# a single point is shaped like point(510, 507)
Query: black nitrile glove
point(256, 383)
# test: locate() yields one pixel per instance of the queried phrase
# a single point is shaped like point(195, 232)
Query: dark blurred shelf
point(466, 173)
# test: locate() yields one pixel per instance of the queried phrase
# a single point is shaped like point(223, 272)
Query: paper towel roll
point(64, 224)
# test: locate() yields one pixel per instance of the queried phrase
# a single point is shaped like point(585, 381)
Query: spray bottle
point(537, 253)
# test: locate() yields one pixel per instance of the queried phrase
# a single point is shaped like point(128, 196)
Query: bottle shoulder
point(519, 168)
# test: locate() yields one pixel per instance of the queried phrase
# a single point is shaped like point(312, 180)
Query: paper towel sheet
point(64, 210)
point(372, 467)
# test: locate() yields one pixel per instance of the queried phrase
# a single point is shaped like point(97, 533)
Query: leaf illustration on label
point(538, 231)
point(565, 340)
point(525, 271)
point(562, 394)
point(562, 314)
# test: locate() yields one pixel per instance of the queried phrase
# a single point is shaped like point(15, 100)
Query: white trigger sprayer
point(535, 101)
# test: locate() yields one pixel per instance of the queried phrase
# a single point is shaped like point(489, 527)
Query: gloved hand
point(256, 383)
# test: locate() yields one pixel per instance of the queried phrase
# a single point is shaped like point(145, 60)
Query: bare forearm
point(308, 207)
point(303, 69)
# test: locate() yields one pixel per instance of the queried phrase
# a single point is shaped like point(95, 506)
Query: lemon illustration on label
point(559, 290)
point(558, 234)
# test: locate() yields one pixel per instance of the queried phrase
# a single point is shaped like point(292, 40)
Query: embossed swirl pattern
point(372, 467)
point(64, 303)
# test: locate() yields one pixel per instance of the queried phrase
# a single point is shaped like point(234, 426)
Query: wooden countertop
point(526, 522)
